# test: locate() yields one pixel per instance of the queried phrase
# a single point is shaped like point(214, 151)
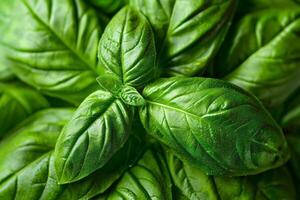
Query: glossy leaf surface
point(215, 125)
point(98, 129)
point(127, 48)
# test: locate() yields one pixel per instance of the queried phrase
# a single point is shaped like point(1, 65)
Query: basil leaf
point(219, 127)
point(264, 54)
point(17, 102)
point(191, 183)
point(99, 128)
point(131, 96)
point(54, 47)
point(127, 48)
point(148, 179)
point(191, 31)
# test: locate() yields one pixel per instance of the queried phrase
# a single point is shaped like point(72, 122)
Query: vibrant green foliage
point(90, 107)
point(209, 122)
point(99, 128)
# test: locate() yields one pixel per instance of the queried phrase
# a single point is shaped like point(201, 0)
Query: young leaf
point(98, 129)
point(131, 96)
point(262, 54)
point(215, 125)
point(17, 102)
point(148, 179)
point(54, 47)
point(158, 13)
point(190, 32)
point(127, 48)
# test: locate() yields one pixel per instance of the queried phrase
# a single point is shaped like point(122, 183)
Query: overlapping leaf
point(215, 125)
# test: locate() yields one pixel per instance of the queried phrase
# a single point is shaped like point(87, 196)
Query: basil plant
point(149, 99)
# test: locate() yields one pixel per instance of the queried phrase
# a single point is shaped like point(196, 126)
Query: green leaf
point(262, 54)
point(98, 129)
point(189, 32)
point(127, 48)
point(27, 164)
point(17, 102)
point(148, 179)
point(191, 183)
point(215, 125)
point(54, 47)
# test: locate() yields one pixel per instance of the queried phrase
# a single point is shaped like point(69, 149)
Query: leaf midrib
point(188, 113)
